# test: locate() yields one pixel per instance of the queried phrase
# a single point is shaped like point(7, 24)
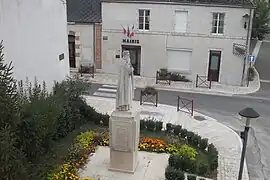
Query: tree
point(13, 164)
point(261, 20)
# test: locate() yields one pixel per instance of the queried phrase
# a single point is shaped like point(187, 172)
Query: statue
point(125, 88)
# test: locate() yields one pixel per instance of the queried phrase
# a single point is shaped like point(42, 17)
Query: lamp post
point(249, 114)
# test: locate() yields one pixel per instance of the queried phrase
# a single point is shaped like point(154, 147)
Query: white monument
point(124, 122)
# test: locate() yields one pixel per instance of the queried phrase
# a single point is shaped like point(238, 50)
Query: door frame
point(138, 48)
point(210, 52)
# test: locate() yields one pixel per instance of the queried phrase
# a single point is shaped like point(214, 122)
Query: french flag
point(131, 34)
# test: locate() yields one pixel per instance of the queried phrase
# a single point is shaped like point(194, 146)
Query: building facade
point(189, 38)
point(84, 33)
point(34, 34)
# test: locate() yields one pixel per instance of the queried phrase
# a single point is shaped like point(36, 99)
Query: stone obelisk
point(124, 122)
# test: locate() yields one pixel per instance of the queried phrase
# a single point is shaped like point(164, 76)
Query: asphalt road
point(225, 110)
point(262, 63)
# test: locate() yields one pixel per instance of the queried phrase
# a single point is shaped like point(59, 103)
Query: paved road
point(225, 109)
point(263, 61)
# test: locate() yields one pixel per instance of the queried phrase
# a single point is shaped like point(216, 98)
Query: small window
point(144, 19)
point(218, 23)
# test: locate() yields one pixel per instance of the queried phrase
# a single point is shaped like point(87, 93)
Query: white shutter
point(181, 21)
point(179, 60)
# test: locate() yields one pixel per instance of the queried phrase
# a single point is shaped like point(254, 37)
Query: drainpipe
point(244, 74)
point(94, 46)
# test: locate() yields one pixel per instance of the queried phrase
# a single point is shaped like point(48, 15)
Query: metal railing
point(166, 79)
point(90, 70)
point(203, 82)
point(185, 105)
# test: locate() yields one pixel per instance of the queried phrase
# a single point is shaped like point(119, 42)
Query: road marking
point(109, 86)
point(107, 90)
point(102, 94)
point(264, 81)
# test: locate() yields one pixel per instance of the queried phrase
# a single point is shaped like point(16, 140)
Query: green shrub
point(188, 152)
point(182, 163)
point(169, 127)
point(190, 136)
point(202, 168)
point(105, 118)
point(196, 139)
point(178, 77)
point(174, 174)
point(163, 72)
point(12, 160)
point(142, 124)
point(150, 125)
point(159, 125)
point(191, 177)
point(213, 157)
point(203, 144)
point(183, 133)
point(177, 130)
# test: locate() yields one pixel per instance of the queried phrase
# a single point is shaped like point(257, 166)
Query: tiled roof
point(84, 11)
point(201, 2)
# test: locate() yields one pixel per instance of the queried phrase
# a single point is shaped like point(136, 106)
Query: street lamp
point(249, 114)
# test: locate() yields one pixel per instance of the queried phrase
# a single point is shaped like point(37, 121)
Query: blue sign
point(251, 58)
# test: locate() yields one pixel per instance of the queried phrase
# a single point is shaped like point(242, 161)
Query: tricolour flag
point(128, 32)
point(132, 31)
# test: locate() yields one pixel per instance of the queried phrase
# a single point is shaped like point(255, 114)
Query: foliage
point(169, 127)
point(150, 91)
point(174, 174)
point(13, 164)
point(152, 145)
point(183, 133)
point(178, 77)
point(79, 153)
point(182, 163)
point(213, 157)
point(187, 151)
point(203, 144)
point(151, 124)
point(163, 72)
point(191, 177)
point(202, 168)
point(261, 19)
point(177, 130)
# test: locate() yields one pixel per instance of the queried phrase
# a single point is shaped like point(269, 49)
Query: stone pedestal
point(124, 140)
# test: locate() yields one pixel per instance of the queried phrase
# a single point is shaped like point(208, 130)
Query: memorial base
point(124, 141)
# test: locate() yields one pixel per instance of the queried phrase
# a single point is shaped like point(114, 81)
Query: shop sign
point(131, 41)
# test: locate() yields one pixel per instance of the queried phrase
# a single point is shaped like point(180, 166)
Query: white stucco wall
point(161, 36)
point(34, 34)
point(86, 32)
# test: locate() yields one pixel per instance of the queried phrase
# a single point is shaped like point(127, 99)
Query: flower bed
point(188, 151)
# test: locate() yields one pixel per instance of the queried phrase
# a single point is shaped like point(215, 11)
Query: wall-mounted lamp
point(246, 19)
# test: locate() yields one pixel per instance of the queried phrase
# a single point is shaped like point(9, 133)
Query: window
point(218, 23)
point(144, 19)
point(179, 60)
point(181, 21)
